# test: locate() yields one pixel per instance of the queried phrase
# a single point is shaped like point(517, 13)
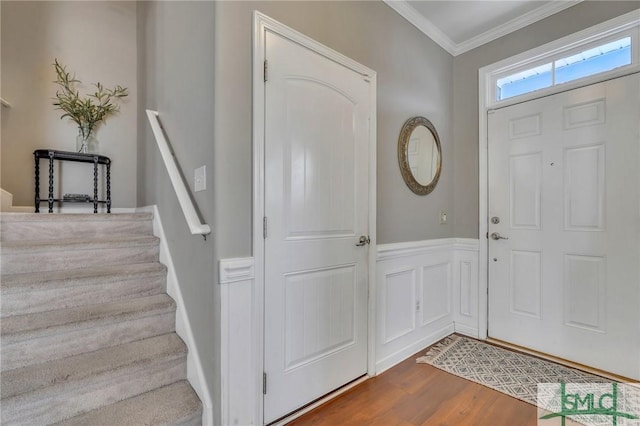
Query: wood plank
point(420, 394)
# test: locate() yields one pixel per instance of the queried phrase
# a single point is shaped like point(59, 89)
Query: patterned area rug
point(509, 372)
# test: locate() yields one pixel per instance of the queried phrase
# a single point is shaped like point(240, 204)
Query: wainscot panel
point(238, 376)
point(425, 291)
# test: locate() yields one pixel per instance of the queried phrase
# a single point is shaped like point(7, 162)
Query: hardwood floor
point(419, 394)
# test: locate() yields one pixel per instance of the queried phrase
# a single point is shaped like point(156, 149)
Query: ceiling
point(461, 25)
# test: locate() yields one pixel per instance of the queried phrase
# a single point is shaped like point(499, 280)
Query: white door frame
point(485, 103)
point(262, 23)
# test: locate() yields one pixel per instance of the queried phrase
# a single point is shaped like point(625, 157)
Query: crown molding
point(515, 24)
point(408, 12)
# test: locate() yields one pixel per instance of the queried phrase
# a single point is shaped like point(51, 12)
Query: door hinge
point(264, 227)
point(264, 383)
point(265, 70)
point(487, 236)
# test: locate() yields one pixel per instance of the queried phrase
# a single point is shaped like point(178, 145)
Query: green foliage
point(87, 112)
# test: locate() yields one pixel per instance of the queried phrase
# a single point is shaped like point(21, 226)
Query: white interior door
point(316, 204)
point(564, 179)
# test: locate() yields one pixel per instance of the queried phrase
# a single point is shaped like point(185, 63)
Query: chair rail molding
point(425, 290)
point(179, 186)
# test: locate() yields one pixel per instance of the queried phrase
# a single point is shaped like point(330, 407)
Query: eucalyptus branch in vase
point(87, 111)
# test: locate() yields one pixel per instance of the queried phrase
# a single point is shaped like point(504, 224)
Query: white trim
point(6, 204)
point(186, 203)
point(261, 24)
point(5, 103)
point(515, 24)
point(81, 209)
point(628, 22)
point(237, 384)
point(485, 82)
point(409, 248)
point(195, 373)
point(404, 353)
point(234, 270)
point(466, 330)
point(427, 27)
point(434, 33)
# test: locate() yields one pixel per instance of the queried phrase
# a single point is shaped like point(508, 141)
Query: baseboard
point(466, 330)
point(68, 210)
point(195, 373)
point(6, 206)
point(399, 356)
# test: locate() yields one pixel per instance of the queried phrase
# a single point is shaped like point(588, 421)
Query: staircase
point(87, 330)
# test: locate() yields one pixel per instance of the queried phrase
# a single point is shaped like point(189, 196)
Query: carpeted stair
point(87, 330)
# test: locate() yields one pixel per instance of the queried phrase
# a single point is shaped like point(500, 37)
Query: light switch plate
point(200, 179)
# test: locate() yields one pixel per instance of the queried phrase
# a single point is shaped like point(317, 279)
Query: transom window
point(596, 60)
point(579, 61)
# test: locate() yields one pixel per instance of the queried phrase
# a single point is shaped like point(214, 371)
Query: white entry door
point(316, 204)
point(564, 179)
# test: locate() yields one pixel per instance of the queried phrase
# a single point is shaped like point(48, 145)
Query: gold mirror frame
point(403, 146)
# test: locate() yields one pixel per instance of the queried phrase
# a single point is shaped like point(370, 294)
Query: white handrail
point(188, 209)
point(5, 103)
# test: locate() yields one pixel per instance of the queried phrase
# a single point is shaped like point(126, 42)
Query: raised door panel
point(320, 170)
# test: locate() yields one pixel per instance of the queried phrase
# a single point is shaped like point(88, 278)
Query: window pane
point(524, 82)
point(594, 61)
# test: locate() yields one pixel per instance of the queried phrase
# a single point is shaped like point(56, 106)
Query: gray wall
point(195, 68)
point(465, 93)
point(96, 41)
point(176, 69)
point(414, 78)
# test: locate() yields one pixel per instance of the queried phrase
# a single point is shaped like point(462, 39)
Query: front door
point(564, 231)
point(316, 208)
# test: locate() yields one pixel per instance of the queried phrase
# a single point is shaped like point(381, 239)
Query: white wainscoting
point(425, 291)
point(237, 357)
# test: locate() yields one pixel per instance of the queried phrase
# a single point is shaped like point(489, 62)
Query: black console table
point(95, 159)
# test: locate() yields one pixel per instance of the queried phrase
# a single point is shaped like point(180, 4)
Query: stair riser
point(80, 397)
point(36, 300)
point(41, 261)
point(42, 230)
point(193, 420)
point(72, 342)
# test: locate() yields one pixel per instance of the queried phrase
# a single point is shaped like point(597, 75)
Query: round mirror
point(419, 155)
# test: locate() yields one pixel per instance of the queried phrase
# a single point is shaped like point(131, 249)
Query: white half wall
point(425, 291)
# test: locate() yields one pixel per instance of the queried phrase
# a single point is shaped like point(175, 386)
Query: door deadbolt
point(495, 220)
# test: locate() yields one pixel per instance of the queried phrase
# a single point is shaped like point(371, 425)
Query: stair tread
point(30, 281)
point(20, 327)
point(71, 217)
point(89, 365)
point(168, 405)
point(31, 246)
